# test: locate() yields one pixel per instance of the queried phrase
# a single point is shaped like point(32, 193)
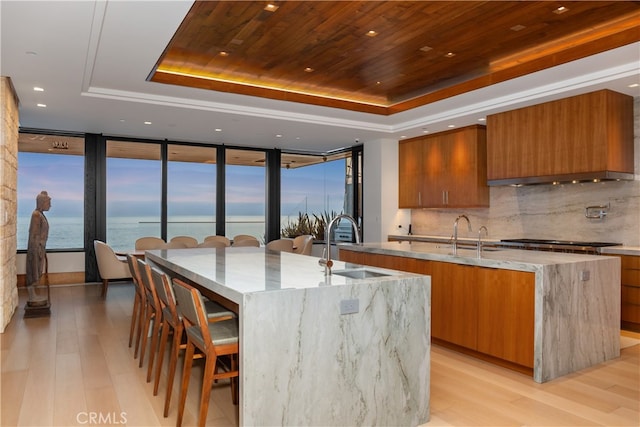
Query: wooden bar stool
point(212, 339)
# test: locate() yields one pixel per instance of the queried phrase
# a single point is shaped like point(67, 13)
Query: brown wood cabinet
point(630, 293)
point(485, 310)
point(570, 137)
point(444, 170)
point(506, 302)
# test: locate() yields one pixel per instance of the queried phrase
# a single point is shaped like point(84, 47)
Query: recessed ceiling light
point(218, 130)
point(450, 55)
point(518, 27)
point(38, 89)
point(426, 48)
point(223, 53)
point(121, 120)
point(634, 85)
point(147, 123)
point(451, 126)
point(42, 105)
point(278, 136)
point(560, 10)
point(271, 7)
point(425, 131)
point(403, 136)
point(371, 33)
point(482, 119)
point(308, 70)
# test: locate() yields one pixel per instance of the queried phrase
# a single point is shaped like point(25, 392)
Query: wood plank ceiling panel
point(322, 52)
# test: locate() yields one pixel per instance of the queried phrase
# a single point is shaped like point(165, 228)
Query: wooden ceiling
point(322, 52)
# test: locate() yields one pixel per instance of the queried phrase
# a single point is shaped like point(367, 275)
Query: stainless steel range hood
point(564, 179)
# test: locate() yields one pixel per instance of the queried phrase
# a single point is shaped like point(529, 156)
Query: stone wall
point(8, 201)
point(550, 211)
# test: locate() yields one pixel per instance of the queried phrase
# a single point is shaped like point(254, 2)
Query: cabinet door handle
point(447, 192)
point(419, 198)
point(444, 199)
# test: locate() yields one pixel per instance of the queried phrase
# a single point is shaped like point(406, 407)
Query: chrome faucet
point(326, 262)
point(455, 232)
point(486, 233)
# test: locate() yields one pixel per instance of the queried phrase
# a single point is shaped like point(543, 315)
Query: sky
point(133, 187)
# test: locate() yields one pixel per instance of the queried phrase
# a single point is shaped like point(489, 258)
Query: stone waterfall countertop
point(610, 250)
point(577, 299)
point(508, 259)
point(318, 350)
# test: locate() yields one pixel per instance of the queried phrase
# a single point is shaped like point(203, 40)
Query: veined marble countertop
point(621, 250)
point(508, 259)
point(318, 350)
point(234, 272)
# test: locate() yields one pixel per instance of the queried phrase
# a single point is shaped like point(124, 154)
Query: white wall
point(381, 215)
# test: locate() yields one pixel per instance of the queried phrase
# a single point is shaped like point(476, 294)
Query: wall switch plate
point(585, 275)
point(349, 306)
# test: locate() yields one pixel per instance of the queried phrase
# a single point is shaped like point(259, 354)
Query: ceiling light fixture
point(450, 55)
point(308, 70)
point(451, 126)
point(371, 33)
point(218, 130)
point(426, 48)
point(223, 53)
point(634, 85)
point(38, 89)
point(42, 105)
point(271, 7)
point(561, 10)
point(147, 123)
point(518, 27)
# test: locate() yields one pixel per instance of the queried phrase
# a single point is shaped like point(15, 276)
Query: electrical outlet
point(585, 275)
point(349, 306)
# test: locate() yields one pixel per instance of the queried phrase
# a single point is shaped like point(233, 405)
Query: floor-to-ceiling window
point(191, 191)
point(134, 192)
point(245, 193)
point(52, 163)
point(316, 188)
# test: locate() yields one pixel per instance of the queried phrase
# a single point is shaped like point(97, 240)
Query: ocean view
point(122, 232)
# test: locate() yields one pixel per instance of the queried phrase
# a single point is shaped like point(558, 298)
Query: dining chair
point(303, 244)
point(212, 244)
point(239, 237)
point(191, 242)
point(139, 303)
point(246, 242)
point(281, 245)
point(149, 242)
point(110, 265)
point(153, 314)
point(224, 239)
point(213, 339)
point(172, 321)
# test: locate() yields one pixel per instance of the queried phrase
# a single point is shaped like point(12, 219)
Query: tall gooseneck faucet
point(327, 238)
point(455, 232)
point(479, 248)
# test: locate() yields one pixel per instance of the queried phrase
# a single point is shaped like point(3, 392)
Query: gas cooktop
point(560, 242)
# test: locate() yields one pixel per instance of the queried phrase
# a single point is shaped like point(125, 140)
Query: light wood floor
point(62, 370)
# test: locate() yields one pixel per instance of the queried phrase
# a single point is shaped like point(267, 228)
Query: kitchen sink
point(360, 273)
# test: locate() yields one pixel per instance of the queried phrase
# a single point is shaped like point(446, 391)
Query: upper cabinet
point(444, 170)
point(585, 137)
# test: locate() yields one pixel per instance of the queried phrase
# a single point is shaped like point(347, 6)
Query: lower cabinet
point(630, 293)
point(486, 310)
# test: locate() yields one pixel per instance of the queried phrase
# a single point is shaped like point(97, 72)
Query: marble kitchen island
point(302, 362)
point(576, 307)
